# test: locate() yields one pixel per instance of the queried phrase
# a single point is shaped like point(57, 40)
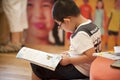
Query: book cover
point(41, 58)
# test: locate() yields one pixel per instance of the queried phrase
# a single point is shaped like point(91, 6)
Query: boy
point(84, 41)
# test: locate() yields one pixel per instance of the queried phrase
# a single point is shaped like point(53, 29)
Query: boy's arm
point(85, 58)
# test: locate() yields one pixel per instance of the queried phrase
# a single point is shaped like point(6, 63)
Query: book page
point(44, 59)
point(109, 55)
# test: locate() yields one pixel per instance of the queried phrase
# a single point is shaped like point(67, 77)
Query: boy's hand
point(65, 59)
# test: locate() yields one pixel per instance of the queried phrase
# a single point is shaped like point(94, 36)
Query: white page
point(44, 59)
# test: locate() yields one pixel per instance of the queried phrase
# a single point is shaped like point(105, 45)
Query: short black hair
point(64, 8)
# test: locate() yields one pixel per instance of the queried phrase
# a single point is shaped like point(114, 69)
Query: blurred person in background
point(114, 25)
point(86, 9)
point(100, 19)
point(15, 11)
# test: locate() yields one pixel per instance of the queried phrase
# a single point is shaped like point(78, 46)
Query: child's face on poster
point(39, 17)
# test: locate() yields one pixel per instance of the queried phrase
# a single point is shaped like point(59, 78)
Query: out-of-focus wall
point(4, 27)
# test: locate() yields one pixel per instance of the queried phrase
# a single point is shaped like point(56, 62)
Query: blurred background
point(42, 34)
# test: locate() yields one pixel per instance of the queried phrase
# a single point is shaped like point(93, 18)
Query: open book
point(109, 55)
point(43, 59)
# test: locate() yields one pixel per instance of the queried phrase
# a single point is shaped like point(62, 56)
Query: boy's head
point(64, 8)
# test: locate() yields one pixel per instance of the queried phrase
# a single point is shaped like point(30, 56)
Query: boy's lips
point(39, 25)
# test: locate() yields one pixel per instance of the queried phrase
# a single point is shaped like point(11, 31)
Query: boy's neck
point(77, 21)
point(80, 19)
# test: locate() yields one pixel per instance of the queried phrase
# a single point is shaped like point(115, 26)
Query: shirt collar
point(89, 21)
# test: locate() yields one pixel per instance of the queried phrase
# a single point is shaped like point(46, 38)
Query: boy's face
point(66, 25)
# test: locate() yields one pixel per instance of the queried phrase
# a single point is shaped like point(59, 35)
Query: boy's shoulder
point(90, 29)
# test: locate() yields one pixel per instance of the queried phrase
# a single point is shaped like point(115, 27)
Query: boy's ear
point(66, 20)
